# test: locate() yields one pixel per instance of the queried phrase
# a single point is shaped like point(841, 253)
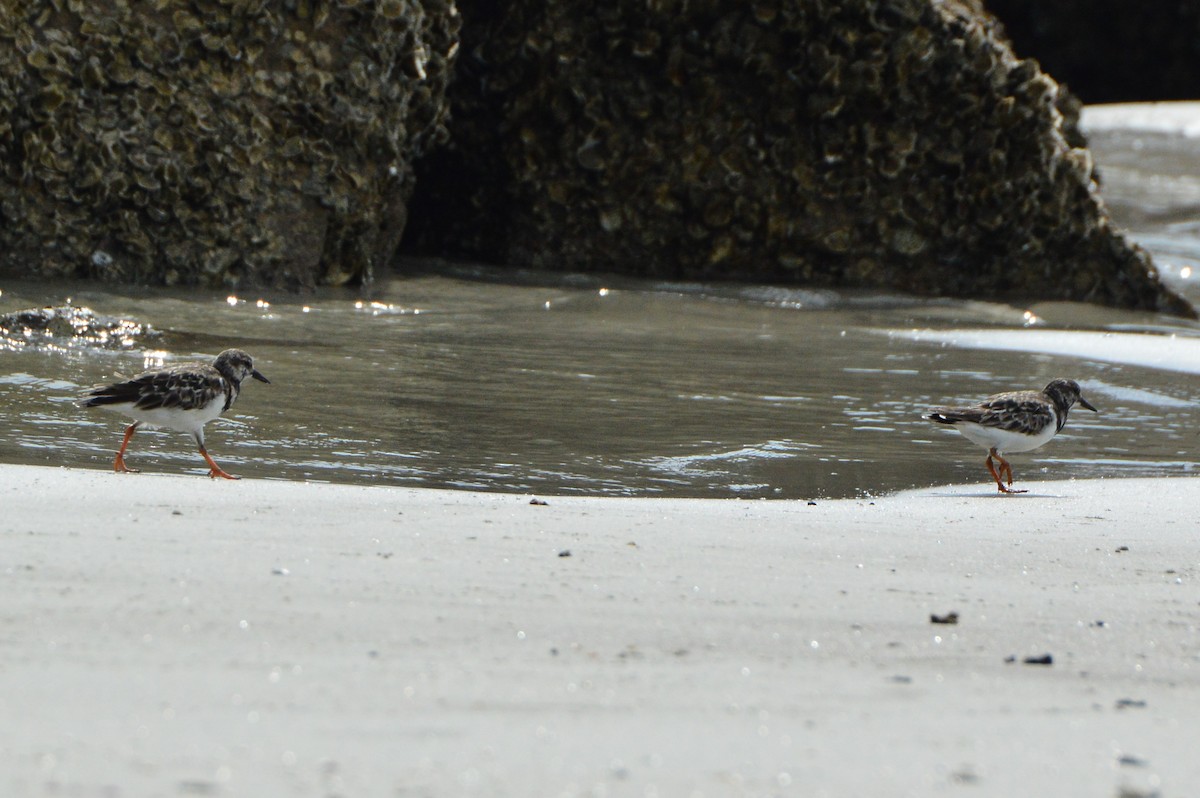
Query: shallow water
point(469, 378)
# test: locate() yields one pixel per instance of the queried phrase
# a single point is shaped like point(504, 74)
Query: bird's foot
point(214, 470)
point(120, 467)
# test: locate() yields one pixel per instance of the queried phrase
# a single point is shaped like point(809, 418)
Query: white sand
point(1163, 352)
point(172, 635)
point(1170, 118)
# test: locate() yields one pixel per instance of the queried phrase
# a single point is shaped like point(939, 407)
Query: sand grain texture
point(172, 635)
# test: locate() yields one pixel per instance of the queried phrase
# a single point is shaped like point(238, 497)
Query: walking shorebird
point(183, 398)
point(1008, 423)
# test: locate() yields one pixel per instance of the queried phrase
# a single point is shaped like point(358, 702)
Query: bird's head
point(235, 365)
point(1065, 393)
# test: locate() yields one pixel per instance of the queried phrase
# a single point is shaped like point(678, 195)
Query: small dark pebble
point(812, 504)
point(1132, 761)
point(176, 512)
point(1100, 624)
point(900, 679)
point(1045, 659)
point(1130, 703)
point(539, 502)
point(565, 553)
point(1010, 659)
point(1122, 548)
point(950, 618)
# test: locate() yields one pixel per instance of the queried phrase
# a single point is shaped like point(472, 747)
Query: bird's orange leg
point(119, 464)
point(992, 470)
point(214, 469)
point(1005, 469)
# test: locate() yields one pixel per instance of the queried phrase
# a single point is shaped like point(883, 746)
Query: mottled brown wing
point(182, 387)
point(1015, 413)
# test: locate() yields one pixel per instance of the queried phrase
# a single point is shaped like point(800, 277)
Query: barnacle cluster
point(69, 326)
point(215, 142)
point(868, 143)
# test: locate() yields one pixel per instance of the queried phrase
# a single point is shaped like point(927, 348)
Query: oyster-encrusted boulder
point(891, 144)
point(215, 142)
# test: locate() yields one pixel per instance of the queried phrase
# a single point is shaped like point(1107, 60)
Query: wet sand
point(172, 635)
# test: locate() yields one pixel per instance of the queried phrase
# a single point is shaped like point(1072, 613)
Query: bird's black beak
point(254, 373)
point(1085, 403)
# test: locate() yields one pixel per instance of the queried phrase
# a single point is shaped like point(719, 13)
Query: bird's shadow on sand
point(984, 494)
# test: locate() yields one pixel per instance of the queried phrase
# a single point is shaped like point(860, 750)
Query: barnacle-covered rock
point(68, 326)
point(856, 143)
point(215, 142)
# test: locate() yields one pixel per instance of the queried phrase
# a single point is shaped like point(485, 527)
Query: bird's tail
point(104, 395)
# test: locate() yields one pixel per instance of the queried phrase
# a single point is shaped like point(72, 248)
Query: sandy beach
point(173, 635)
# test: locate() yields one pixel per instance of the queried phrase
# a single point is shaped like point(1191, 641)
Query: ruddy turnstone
point(1019, 421)
point(183, 398)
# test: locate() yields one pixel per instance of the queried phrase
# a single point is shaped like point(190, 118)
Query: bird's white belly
point(1005, 441)
point(174, 418)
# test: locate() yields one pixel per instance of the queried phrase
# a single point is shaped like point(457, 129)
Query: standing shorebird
point(183, 398)
point(1019, 421)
